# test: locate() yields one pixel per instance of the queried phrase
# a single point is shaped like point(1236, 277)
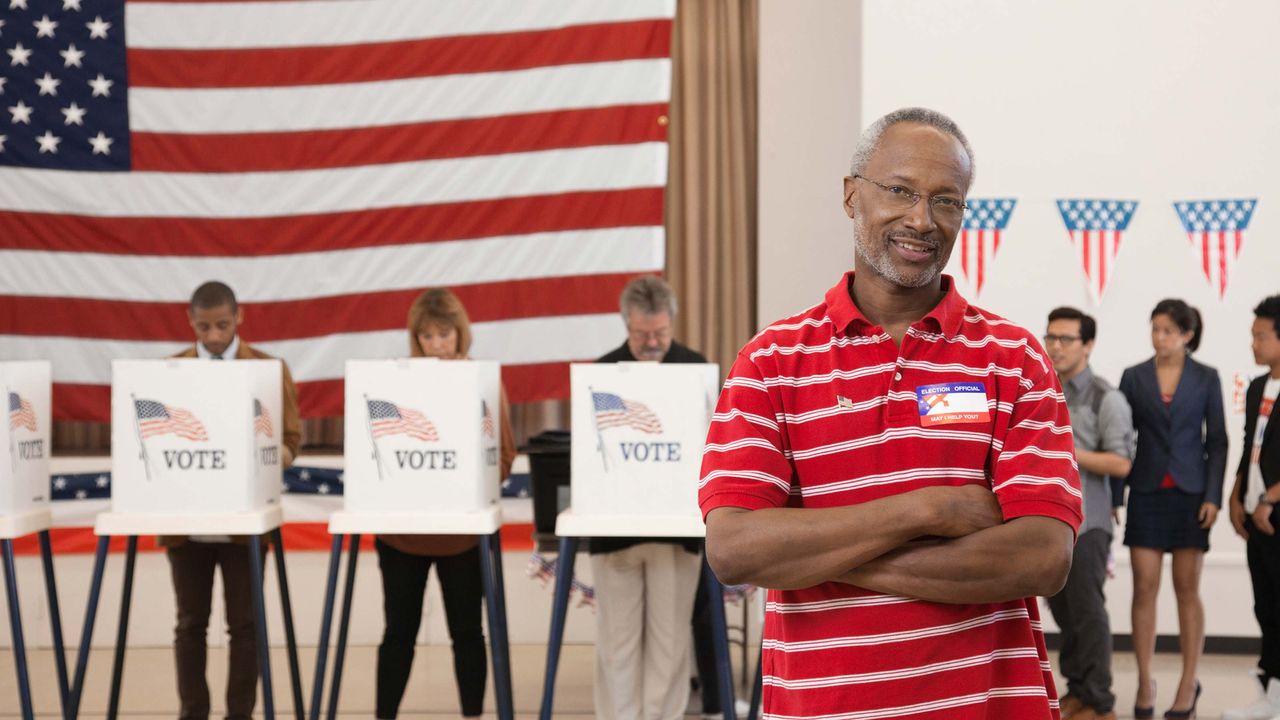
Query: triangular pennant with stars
point(980, 235)
point(1216, 230)
point(1096, 228)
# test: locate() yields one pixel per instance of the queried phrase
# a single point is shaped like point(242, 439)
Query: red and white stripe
point(179, 422)
point(1218, 250)
point(977, 251)
point(329, 160)
point(1097, 252)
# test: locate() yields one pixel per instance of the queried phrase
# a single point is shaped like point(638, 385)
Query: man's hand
point(1236, 511)
point(962, 510)
point(1262, 519)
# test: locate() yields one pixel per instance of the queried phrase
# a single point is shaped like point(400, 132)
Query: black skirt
point(1167, 519)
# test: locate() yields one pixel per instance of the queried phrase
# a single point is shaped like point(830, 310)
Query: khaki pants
point(644, 602)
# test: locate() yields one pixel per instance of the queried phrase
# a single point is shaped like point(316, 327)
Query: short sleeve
point(744, 463)
point(1115, 426)
point(1035, 471)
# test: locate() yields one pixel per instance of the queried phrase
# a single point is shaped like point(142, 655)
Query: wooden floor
point(149, 686)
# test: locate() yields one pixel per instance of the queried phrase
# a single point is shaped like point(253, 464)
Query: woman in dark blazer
point(1175, 490)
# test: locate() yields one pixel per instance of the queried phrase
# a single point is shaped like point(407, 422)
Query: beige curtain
point(710, 209)
point(711, 188)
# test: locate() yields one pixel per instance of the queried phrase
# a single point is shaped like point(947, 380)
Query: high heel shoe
point(1146, 712)
point(1187, 714)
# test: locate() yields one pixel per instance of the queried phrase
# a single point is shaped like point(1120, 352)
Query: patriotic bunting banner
point(328, 160)
point(1096, 228)
point(1216, 230)
point(984, 224)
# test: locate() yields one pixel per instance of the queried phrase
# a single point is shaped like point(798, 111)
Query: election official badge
point(958, 402)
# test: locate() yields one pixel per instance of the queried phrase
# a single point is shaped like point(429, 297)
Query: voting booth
point(195, 436)
point(196, 451)
point(421, 437)
point(24, 504)
point(636, 456)
point(638, 430)
point(24, 444)
point(422, 458)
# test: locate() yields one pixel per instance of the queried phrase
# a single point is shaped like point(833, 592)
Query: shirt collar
point(229, 354)
point(1081, 381)
point(946, 317)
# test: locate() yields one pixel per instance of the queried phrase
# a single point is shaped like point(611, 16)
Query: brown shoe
point(1070, 705)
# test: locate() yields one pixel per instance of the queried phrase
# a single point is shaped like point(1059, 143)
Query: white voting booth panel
point(638, 431)
point(421, 439)
point(24, 448)
point(195, 437)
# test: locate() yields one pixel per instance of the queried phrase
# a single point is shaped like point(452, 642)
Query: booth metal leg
point(326, 622)
point(501, 588)
point(497, 612)
point(757, 687)
point(55, 620)
point(344, 625)
point(559, 611)
point(260, 610)
point(15, 627)
point(86, 632)
point(720, 636)
point(122, 630)
point(290, 640)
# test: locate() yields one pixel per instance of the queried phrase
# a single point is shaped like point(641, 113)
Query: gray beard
point(880, 259)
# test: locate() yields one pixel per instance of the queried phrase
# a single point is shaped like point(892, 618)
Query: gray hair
point(870, 139)
point(648, 295)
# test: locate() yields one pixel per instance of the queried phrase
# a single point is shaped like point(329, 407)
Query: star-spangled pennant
point(984, 224)
point(1216, 231)
point(1096, 228)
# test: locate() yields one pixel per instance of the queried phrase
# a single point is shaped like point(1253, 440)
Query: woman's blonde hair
point(439, 306)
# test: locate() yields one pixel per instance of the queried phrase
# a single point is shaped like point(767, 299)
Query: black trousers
point(404, 583)
point(1080, 609)
point(704, 649)
point(1263, 552)
point(191, 565)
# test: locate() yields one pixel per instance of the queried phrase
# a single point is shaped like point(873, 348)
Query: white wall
point(1147, 100)
point(808, 122)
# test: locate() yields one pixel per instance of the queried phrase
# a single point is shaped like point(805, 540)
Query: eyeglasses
point(903, 197)
point(1060, 339)
point(661, 335)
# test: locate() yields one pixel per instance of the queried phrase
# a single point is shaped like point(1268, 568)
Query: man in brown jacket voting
point(215, 317)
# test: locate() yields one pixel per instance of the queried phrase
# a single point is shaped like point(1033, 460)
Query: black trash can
point(548, 453)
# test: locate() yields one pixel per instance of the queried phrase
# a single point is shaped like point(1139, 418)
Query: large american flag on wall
point(328, 160)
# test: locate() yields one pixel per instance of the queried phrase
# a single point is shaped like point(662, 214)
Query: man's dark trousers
point(1080, 609)
point(192, 565)
point(1263, 552)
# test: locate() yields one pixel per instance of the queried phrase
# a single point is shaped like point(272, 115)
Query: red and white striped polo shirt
point(823, 410)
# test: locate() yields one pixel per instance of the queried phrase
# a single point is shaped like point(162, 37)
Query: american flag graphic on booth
point(156, 418)
point(980, 235)
point(1216, 230)
point(486, 420)
point(261, 419)
point(387, 418)
point(1097, 228)
point(328, 159)
point(616, 411)
point(21, 414)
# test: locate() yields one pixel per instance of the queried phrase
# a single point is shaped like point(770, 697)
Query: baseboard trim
point(1216, 644)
